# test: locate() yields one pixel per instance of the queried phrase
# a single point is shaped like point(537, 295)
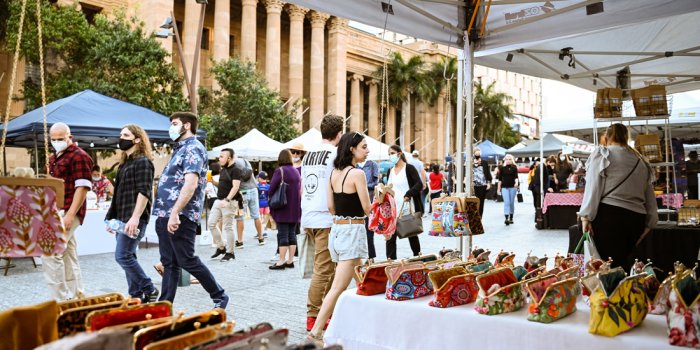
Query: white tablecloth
point(367, 323)
point(94, 239)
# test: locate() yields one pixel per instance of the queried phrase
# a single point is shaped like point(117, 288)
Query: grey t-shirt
point(251, 183)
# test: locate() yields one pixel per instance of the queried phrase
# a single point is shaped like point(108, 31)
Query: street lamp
point(169, 28)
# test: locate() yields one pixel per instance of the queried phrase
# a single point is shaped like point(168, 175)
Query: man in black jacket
point(482, 179)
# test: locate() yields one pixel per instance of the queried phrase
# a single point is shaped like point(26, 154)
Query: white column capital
point(249, 3)
point(296, 13)
point(355, 77)
point(318, 19)
point(371, 81)
point(337, 24)
point(273, 6)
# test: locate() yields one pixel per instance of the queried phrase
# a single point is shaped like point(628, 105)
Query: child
point(263, 191)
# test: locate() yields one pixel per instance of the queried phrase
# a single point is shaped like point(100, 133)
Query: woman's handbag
point(407, 282)
point(684, 311)
point(409, 225)
point(99, 319)
point(519, 196)
point(499, 292)
point(382, 215)
point(618, 303)
point(449, 218)
point(278, 200)
point(372, 278)
point(453, 287)
point(551, 298)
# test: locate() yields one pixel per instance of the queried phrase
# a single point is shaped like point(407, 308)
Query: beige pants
point(227, 215)
point(324, 270)
point(62, 272)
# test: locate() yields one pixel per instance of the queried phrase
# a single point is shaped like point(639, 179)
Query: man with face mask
point(692, 167)
point(74, 166)
point(178, 206)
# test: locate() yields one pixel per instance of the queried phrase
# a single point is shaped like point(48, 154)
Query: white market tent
point(253, 146)
point(310, 139)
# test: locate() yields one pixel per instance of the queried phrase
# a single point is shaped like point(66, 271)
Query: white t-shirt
point(418, 165)
point(315, 171)
point(400, 182)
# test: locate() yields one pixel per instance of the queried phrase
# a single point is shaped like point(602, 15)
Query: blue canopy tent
point(491, 151)
point(93, 119)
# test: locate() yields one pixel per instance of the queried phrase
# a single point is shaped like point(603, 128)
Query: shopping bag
point(409, 225)
point(520, 197)
point(306, 256)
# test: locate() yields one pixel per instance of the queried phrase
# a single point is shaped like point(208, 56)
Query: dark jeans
point(372, 253)
point(391, 246)
point(287, 234)
point(480, 192)
point(433, 196)
point(125, 255)
point(615, 233)
point(536, 199)
point(692, 192)
point(176, 252)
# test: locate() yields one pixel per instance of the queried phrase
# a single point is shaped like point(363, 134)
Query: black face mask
point(477, 157)
point(125, 145)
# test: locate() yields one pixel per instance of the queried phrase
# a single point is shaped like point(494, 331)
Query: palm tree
point(490, 111)
point(444, 77)
point(406, 81)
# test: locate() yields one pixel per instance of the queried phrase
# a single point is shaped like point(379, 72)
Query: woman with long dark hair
point(407, 187)
point(131, 205)
point(564, 170)
point(287, 218)
point(619, 205)
point(348, 201)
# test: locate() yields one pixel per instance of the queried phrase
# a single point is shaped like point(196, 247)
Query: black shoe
point(228, 256)
point(150, 297)
point(239, 245)
point(289, 265)
point(507, 222)
point(219, 251)
point(511, 219)
point(221, 303)
point(261, 241)
point(277, 267)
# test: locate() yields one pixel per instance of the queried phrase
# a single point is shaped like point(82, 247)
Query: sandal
point(315, 339)
point(159, 269)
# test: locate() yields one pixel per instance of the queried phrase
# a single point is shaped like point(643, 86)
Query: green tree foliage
point(491, 109)
point(406, 79)
point(114, 57)
point(244, 101)
point(441, 73)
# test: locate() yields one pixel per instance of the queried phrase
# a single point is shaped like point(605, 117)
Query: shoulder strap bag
point(278, 200)
point(409, 225)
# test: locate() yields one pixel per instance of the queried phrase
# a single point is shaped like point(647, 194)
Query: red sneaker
point(310, 322)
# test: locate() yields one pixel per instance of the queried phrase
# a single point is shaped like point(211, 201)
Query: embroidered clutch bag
point(453, 287)
point(551, 299)
point(407, 281)
point(618, 303)
point(684, 311)
point(499, 292)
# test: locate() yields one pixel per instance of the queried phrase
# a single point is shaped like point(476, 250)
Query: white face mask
point(562, 158)
point(393, 159)
point(174, 132)
point(96, 178)
point(296, 159)
point(59, 146)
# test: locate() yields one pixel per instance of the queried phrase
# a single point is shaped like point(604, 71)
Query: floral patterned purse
point(408, 281)
point(657, 294)
point(453, 287)
point(449, 218)
point(684, 314)
point(372, 278)
point(499, 292)
point(551, 299)
point(618, 303)
point(30, 224)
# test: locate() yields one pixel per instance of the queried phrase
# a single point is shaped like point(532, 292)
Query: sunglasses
point(296, 152)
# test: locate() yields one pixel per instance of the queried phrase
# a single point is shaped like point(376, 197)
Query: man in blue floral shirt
point(178, 206)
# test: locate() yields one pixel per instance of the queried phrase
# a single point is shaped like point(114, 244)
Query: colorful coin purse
point(453, 287)
point(154, 334)
point(657, 293)
point(449, 218)
point(684, 314)
point(550, 298)
point(408, 281)
point(372, 278)
point(499, 292)
point(99, 319)
point(618, 303)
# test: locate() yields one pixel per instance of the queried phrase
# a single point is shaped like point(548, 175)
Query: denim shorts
point(250, 201)
point(347, 242)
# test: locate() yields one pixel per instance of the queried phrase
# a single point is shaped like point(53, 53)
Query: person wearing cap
point(692, 167)
point(263, 197)
point(298, 153)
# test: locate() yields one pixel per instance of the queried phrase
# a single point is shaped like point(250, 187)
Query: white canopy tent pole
point(465, 98)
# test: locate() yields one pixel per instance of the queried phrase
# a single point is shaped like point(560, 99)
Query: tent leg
point(465, 72)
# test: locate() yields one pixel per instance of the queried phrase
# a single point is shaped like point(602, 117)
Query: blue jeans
point(287, 234)
point(125, 255)
point(508, 194)
point(177, 251)
point(250, 201)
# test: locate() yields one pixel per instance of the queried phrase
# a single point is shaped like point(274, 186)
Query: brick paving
point(279, 297)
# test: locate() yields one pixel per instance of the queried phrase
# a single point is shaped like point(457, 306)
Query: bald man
point(74, 166)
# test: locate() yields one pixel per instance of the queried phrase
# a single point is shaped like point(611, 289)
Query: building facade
point(316, 58)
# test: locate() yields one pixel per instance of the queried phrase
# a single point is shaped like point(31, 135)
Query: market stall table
point(92, 237)
point(374, 323)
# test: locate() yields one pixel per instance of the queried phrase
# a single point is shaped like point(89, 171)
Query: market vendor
point(101, 185)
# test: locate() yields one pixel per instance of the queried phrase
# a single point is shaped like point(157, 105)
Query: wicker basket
point(689, 216)
point(650, 100)
point(649, 146)
point(608, 103)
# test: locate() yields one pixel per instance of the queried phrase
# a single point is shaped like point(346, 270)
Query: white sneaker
point(275, 258)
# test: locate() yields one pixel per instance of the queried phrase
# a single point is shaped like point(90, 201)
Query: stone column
point(373, 117)
point(337, 65)
point(440, 136)
point(189, 37)
point(316, 86)
point(222, 32)
point(296, 56)
point(273, 43)
point(355, 106)
point(390, 122)
point(152, 13)
point(248, 29)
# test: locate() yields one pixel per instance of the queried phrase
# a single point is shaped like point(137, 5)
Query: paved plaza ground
point(279, 297)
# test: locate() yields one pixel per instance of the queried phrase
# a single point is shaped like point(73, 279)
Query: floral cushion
point(29, 222)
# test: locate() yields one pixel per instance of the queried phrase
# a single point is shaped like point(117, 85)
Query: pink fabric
point(674, 200)
point(29, 222)
point(574, 199)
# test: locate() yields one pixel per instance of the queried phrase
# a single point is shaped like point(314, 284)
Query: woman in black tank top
point(348, 201)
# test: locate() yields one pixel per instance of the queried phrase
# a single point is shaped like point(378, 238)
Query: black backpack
point(246, 172)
